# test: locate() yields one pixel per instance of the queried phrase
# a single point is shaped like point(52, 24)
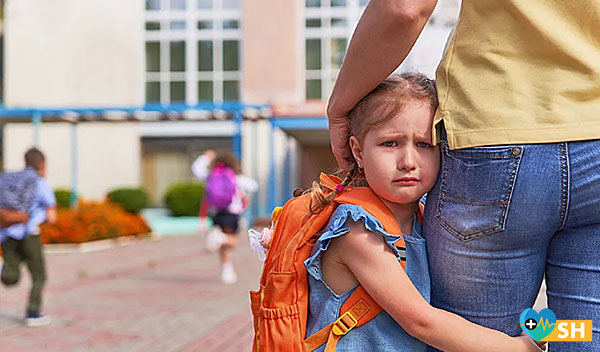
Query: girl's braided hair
point(383, 102)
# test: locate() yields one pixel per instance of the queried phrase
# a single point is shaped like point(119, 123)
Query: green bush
point(184, 199)
point(63, 198)
point(131, 199)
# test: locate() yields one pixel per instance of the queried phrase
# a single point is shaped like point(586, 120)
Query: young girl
point(391, 141)
point(225, 217)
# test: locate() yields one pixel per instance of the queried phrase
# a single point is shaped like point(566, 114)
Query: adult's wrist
point(335, 109)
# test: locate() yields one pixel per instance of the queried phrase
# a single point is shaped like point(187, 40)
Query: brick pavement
point(160, 295)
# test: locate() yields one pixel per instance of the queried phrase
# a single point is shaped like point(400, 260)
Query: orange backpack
point(280, 306)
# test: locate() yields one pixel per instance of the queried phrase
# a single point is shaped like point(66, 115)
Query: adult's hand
point(386, 32)
point(338, 134)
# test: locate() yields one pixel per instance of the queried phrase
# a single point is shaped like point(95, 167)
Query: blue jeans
point(501, 217)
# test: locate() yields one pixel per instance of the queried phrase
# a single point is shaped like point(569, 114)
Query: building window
point(338, 3)
point(178, 4)
point(231, 4)
point(153, 26)
point(152, 56)
point(152, 4)
point(338, 49)
point(231, 24)
point(205, 91)
point(313, 54)
point(313, 89)
point(313, 23)
point(205, 25)
point(339, 22)
point(205, 55)
point(177, 55)
point(193, 53)
point(231, 55)
point(153, 92)
point(231, 90)
point(313, 3)
point(204, 4)
point(328, 27)
point(177, 25)
point(177, 91)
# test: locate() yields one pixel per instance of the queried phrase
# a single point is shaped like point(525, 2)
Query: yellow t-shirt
point(521, 71)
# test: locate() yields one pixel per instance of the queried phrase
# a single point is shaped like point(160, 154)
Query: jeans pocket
point(476, 188)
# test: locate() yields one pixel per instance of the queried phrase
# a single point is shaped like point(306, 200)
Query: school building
point(129, 93)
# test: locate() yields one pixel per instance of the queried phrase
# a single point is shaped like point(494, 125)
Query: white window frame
point(351, 12)
point(191, 35)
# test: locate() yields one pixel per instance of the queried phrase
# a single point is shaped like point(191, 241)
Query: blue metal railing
point(35, 115)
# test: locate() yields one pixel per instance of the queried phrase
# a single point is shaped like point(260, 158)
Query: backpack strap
point(329, 181)
point(420, 212)
point(358, 310)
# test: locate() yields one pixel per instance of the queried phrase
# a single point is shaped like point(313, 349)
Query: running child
point(21, 241)
point(227, 193)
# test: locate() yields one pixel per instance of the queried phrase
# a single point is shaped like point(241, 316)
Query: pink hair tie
point(339, 188)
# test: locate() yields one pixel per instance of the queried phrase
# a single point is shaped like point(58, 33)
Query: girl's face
point(399, 161)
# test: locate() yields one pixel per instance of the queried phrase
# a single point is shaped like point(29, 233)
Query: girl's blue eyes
point(393, 144)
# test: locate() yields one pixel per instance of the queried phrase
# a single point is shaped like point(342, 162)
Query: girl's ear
point(356, 151)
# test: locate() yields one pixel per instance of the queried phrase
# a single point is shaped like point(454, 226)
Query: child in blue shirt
point(21, 241)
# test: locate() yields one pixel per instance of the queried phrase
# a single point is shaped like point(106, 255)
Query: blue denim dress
point(382, 333)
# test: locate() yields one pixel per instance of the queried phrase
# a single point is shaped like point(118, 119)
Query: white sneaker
point(214, 239)
point(38, 320)
point(228, 275)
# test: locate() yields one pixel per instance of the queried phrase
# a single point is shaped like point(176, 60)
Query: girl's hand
point(526, 344)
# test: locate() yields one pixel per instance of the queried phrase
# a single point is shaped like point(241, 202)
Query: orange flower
point(93, 221)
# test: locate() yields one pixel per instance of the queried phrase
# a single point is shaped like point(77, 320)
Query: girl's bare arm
point(376, 268)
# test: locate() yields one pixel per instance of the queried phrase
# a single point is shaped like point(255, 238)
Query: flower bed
point(93, 221)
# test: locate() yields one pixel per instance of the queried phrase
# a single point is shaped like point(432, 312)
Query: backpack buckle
point(344, 324)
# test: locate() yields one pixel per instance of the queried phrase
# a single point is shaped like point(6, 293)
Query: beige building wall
point(256, 147)
point(272, 60)
point(108, 154)
point(74, 52)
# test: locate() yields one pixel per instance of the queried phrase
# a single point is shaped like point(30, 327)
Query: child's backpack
point(17, 189)
point(280, 305)
point(220, 187)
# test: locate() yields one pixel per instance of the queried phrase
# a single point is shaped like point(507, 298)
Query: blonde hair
point(383, 102)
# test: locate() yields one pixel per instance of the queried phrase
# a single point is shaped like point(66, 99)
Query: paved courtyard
point(158, 295)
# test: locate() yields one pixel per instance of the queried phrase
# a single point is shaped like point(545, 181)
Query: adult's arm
point(10, 217)
point(384, 36)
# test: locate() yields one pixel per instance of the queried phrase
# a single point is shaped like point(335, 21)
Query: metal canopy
point(75, 115)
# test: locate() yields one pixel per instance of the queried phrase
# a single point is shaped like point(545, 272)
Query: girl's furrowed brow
point(403, 135)
point(391, 135)
point(426, 136)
